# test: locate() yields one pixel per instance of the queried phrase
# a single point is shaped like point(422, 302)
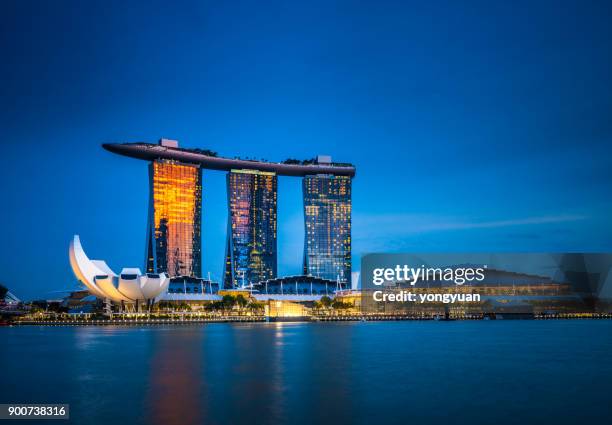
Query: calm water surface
point(486, 372)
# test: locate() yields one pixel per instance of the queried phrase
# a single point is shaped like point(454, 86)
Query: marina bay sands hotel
point(175, 213)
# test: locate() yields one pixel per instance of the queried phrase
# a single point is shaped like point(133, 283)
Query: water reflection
point(174, 393)
point(362, 373)
point(235, 373)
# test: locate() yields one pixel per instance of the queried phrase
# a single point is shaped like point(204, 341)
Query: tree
point(326, 301)
point(340, 305)
point(207, 152)
point(3, 291)
point(292, 161)
point(164, 305)
point(228, 302)
point(256, 306)
point(241, 301)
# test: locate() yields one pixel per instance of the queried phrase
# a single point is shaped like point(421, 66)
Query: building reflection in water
point(290, 373)
point(255, 376)
point(175, 391)
point(251, 373)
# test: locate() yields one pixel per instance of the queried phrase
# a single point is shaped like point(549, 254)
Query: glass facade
point(175, 208)
point(252, 227)
point(327, 220)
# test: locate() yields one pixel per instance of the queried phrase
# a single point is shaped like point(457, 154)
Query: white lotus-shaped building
point(130, 286)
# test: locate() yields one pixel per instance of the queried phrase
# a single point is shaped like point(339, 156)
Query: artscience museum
point(129, 288)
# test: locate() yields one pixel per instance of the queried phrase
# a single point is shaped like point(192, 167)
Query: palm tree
point(241, 302)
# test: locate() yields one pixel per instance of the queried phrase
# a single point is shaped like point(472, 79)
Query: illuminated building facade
point(252, 227)
point(174, 225)
point(327, 221)
point(173, 244)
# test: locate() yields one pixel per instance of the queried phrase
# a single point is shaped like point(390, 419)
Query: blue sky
point(474, 126)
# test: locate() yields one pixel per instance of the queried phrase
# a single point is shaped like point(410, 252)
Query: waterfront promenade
point(191, 318)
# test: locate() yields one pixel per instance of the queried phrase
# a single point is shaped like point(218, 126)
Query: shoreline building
point(174, 227)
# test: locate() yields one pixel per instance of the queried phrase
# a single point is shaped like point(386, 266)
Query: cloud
point(410, 224)
point(413, 232)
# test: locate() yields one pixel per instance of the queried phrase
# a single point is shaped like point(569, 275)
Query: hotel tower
point(327, 226)
point(174, 243)
point(251, 230)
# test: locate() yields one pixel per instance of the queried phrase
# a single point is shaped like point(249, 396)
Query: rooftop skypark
point(169, 149)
